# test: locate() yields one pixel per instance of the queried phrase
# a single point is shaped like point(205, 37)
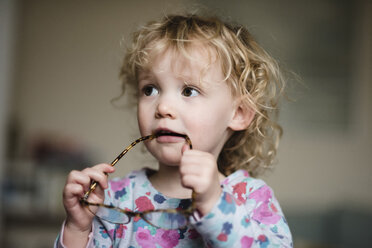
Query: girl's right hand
point(79, 219)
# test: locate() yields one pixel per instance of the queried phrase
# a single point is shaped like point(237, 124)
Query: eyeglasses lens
point(109, 214)
point(166, 220)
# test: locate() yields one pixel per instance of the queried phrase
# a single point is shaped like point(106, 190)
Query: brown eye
point(149, 90)
point(189, 91)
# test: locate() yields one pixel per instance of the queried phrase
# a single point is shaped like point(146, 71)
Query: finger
point(96, 176)
point(185, 147)
point(104, 167)
point(98, 173)
point(98, 195)
point(198, 157)
point(78, 177)
point(191, 167)
point(190, 181)
point(195, 157)
point(73, 190)
point(84, 178)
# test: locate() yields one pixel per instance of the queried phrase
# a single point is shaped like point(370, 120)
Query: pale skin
point(173, 97)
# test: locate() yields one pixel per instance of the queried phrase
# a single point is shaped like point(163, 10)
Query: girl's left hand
point(199, 172)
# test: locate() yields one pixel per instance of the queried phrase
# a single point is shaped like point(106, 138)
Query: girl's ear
point(242, 117)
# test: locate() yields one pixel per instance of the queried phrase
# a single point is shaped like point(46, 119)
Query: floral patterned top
point(246, 215)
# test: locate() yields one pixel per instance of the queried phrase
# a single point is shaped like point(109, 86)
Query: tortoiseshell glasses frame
point(171, 218)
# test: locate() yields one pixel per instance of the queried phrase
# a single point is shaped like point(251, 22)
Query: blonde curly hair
point(252, 74)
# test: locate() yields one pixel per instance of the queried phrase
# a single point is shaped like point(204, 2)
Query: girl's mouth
point(166, 136)
point(169, 133)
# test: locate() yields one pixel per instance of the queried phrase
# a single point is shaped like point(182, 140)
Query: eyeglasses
point(161, 218)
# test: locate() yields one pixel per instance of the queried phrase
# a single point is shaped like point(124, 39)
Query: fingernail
point(185, 148)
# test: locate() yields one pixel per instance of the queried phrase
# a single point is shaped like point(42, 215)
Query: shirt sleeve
point(58, 243)
point(246, 215)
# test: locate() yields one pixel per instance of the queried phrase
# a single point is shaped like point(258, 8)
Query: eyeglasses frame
point(130, 214)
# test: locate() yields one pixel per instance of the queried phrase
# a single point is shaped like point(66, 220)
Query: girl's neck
point(167, 180)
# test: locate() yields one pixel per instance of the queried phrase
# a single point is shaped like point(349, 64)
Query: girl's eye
point(150, 90)
point(189, 91)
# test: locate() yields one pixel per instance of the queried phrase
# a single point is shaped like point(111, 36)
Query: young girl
point(210, 81)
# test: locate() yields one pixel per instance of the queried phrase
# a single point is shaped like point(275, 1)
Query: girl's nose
point(165, 110)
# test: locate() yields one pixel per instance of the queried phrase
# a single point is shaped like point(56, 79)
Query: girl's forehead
point(191, 63)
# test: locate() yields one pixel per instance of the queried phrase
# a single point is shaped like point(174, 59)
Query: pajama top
point(246, 215)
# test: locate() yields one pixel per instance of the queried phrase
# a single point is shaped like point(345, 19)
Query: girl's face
point(185, 96)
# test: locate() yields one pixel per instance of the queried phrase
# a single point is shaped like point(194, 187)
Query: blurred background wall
point(59, 64)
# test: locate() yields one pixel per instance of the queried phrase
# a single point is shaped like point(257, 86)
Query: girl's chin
point(169, 161)
point(168, 155)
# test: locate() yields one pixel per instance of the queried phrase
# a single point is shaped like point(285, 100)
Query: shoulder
point(244, 187)
point(242, 178)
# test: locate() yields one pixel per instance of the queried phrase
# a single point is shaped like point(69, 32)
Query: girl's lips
point(167, 136)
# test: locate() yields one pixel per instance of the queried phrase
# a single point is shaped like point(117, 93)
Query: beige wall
point(324, 170)
point(8, 11)
point(67, 72)
point(68, 63)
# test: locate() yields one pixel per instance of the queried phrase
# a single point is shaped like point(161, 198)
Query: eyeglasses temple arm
point(93, 184)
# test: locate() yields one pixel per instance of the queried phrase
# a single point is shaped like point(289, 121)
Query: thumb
point(185, 147)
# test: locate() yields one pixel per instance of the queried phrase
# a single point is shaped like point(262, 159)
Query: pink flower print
point(136, 218)
point(246, 173)
point(246, 242)
point(119, 185)
point(227, 205)
point(245, 221)
point(239, 191)
point(222, 237)
point(143, 203)
point(225, 181)
point(164, 238)
point(119, 232)
point(263, 240)
point(265, 215)
point(144, 238)
point(262, 194)
point(273, 207)
point(167, 238)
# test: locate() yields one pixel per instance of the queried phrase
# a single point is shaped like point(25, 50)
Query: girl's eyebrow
point(189, 80)
point(193, 82)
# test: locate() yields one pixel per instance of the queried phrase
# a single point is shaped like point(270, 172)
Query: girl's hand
point(79, 219)
point(199, 172)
